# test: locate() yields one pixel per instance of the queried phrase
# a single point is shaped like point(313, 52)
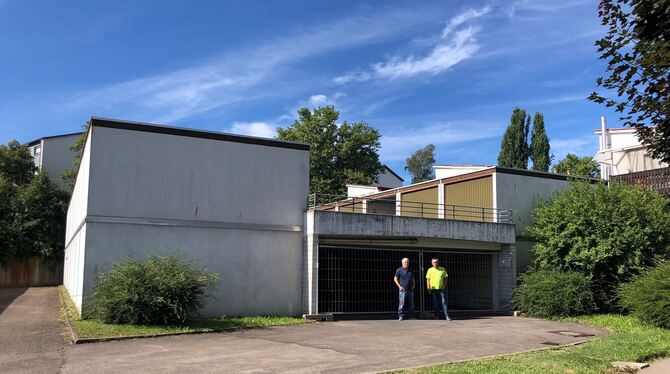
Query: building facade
point(233, 204)
point(53, 155)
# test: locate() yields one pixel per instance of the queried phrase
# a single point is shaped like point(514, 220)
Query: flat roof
point(53, 136)
point(194, 133)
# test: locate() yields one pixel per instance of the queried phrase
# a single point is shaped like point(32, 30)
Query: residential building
point(53, 155)
point(623, 157)
point(387, 179)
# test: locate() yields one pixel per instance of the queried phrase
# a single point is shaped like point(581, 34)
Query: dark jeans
point(440, 303)
point(406, 304)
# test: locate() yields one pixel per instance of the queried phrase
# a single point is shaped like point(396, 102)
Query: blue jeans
point(440, 302)
point(406, 304)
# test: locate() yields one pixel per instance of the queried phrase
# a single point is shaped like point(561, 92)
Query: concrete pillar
point(398, 203)
point(440, 200)
point(310, 283)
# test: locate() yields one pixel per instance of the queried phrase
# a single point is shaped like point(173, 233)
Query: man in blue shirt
point(404, 279)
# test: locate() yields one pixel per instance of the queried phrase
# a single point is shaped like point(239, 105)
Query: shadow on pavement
point(9, 294)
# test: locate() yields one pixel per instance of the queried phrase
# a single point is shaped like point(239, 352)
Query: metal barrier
point(391, 206)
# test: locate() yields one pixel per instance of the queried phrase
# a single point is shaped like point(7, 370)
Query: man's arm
point(413, 284)
point(428, 284)
point(395, 279)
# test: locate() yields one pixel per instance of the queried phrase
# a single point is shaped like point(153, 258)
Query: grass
point(87, 328)
point(630, 340)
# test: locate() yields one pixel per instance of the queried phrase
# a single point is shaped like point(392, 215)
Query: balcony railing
point(656, 179)
point(392, 207)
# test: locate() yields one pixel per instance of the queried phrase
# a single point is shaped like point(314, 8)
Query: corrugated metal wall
point(427, 196)
point(474, 193)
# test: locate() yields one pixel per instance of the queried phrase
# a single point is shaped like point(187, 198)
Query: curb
point(551, 348)
point(76, 339)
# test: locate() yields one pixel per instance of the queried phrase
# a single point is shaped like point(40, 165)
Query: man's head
point(405, 263)
point(435, 262)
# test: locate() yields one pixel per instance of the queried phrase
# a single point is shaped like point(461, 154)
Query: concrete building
point(53, 155)
point(237, 205)
point(386, 180)
point(234, 204)
point(473, 219)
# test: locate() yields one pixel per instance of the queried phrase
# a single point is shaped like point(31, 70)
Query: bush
point(548, 294)
point(607, 233)
point(160, 291)
point(647, 296)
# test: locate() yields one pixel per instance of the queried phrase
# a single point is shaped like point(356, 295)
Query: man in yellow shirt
point(436, 284)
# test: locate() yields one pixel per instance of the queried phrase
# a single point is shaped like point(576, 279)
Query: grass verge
point(87, 328)
point(630, 340)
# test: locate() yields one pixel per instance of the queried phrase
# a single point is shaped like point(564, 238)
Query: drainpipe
point(604, 173)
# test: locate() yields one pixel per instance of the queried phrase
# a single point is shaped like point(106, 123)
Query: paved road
point(30, 331)
point(346, 346)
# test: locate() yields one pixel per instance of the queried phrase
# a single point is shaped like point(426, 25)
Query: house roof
point(394, 173)
point(193, 133)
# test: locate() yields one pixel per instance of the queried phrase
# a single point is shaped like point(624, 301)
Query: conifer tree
point(514, 145)
point(539, 145)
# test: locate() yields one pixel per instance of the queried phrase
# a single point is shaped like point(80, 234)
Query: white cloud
point(582, 146)
point(260, 129)
point(240, 74)
point(318, 100)
point(399, 145)
point(450, 48)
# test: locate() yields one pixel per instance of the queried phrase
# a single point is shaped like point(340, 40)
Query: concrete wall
point(57, 156)
point(236, 209)
point(521, 194)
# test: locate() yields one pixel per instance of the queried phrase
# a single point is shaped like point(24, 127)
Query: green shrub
point(548, 294)
point(160, 291)
point(608, 233)
point(648, 296)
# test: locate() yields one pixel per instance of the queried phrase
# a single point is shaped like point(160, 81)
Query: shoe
point(401, 319)
point(448, 319)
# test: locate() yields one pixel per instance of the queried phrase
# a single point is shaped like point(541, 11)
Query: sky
point(442, 72)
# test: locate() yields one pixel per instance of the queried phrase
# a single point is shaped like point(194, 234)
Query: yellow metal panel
point(422, 203)
point(465, 200)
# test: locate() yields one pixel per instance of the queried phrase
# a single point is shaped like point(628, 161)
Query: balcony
point(393, 207)
point(655, 179)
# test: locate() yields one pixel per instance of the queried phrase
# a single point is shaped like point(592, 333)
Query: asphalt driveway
point(30, 330)
point(345, 346)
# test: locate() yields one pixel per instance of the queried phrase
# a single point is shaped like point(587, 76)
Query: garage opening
point(359, 280)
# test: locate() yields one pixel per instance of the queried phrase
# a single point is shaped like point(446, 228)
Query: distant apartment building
point(387, 179)
point(53, 155)
point(623, 157)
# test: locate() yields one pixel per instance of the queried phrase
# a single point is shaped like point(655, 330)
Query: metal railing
point(656, 179)
point(392, 207)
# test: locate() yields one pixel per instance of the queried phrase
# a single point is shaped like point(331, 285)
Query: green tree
point(539, 145)
point(637, 50)
point(348, 153)
point(70, 176)
point(420, 164)
point(7, 228)
point(16, 163)
point(573, 165)
point(40, 208)
point(607, 233)
point(514, 145)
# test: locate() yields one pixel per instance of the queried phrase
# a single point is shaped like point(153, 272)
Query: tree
point(70, 176)
point(39, 213)
point(16, 163)
point(573, 165)
point(539, 145)
point(420, 164)
point(348, 153)
point(7, 229)
point(514, 146)
point(607, 233)
point(637, 50)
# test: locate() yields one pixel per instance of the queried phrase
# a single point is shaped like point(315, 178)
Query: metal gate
point(360, 280)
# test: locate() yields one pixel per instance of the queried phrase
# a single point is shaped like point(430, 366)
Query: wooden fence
point(656, 179)
point(33, 271)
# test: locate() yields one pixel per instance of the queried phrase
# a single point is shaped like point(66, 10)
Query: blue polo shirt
point(404, 277)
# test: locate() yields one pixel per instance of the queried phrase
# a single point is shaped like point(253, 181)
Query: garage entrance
point(360, 279)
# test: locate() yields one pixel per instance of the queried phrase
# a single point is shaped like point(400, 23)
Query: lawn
point(630, 340)
point(87, 328)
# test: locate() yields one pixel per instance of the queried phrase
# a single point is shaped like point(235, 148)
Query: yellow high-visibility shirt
point(437, 276)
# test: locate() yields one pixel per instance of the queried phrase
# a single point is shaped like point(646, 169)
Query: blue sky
point(441, 72)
